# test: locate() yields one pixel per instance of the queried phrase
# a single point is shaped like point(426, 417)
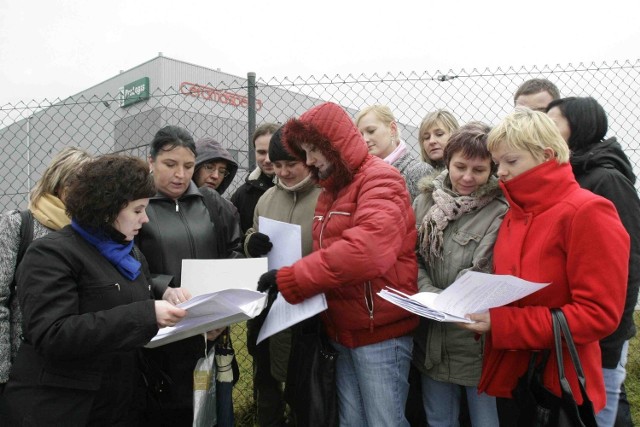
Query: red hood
point(331, 130)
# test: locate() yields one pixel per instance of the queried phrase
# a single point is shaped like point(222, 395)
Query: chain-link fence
point(120, 118)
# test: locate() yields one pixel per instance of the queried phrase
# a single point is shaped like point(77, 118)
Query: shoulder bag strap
point(560, 328)
point(26, 233)
point(26, 237)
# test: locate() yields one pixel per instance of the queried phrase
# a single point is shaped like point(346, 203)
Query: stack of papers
point(223, 293)
point(212, 311)
point(472, 293)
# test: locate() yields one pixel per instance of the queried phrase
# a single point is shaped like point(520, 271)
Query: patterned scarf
point(446, 207)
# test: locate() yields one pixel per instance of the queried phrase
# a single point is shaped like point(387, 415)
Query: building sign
point(209, 93)
point(134, 92)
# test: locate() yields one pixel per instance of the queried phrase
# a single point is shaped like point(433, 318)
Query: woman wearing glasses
point(215, 167)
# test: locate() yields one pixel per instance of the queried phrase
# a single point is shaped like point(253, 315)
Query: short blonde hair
point(63, 166)
point(529, 130)
point(383, 113)
point(438, 117)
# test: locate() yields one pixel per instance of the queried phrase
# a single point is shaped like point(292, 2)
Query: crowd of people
point(91, 271)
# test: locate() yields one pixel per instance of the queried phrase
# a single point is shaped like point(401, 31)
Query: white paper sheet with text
point(287, 249)
point(474, 292)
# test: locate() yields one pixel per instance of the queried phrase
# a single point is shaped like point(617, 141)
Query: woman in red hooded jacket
point(364, 238)
point(557, 233)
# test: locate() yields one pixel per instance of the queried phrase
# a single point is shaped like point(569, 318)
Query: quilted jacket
point(364, 234)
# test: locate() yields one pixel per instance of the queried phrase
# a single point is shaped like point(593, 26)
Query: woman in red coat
point(554, 232)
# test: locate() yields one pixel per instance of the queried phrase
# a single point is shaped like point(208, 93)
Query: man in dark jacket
point(536, 94)
point(260, 180)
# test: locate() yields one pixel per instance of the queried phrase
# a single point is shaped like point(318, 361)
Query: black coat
point(84, 324)
point(247, 195)
point(604, 169)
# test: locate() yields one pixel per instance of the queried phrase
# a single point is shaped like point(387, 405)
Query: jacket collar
point(192, 191)
point(540, 188)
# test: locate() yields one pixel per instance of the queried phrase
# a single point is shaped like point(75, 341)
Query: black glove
point(258, 244)
point(267, 282)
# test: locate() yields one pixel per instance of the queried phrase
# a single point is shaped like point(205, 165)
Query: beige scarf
point(447, 207)
point(50, 212)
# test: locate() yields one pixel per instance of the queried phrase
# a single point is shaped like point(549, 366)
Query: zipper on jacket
point(117, 285)
point(192, 244)
point(293, 206)
point(368, 300)
point(320, 218)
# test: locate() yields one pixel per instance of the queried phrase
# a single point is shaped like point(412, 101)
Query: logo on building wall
point(209, 93)
point(134, 92)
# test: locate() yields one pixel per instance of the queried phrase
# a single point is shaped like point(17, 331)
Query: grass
point(243, 405)
point(632, 383)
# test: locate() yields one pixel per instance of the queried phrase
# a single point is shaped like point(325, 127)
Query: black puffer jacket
point(604, 169)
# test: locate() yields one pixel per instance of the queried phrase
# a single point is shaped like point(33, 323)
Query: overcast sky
point(56, 48)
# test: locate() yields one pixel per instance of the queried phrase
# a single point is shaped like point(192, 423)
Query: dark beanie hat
point(277, 150)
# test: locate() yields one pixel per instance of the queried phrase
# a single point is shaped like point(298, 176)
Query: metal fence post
point(251, 119)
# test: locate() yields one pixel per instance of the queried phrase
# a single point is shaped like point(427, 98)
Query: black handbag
point(541, 408)
point(310, 389)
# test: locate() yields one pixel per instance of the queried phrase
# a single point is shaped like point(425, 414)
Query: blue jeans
point(613, 379)
point(372, 383)
point(442, 404)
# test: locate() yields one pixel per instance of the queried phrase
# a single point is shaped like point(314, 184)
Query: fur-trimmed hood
point(331, 130)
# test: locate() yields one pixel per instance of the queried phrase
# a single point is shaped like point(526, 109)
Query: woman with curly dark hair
point(87, 306)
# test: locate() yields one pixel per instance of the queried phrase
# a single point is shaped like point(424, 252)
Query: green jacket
point(442, 350)
point(295, 206)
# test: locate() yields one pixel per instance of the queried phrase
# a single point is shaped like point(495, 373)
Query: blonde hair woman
point(434, 132)
point(46, 206)
point(554, 232)
point(380, 130)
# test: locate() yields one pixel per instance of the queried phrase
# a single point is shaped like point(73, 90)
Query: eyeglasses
point(211, 168)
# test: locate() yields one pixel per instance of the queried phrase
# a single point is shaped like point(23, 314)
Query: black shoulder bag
point(310, 388)
point(541, 408)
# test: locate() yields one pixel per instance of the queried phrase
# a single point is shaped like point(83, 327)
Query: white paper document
point(286, 239)
point(472, 293)
point(204, 276)
point(223, 292)
point(287, 249)
point(283, 315)
point(212, 311)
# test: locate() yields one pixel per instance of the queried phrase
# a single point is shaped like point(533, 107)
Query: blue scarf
point(118, 254)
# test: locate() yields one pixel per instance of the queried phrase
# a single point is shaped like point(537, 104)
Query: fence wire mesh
point(101, 122)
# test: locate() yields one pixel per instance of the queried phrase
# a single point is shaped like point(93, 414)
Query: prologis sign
point(212, 94)
point(134, 92)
